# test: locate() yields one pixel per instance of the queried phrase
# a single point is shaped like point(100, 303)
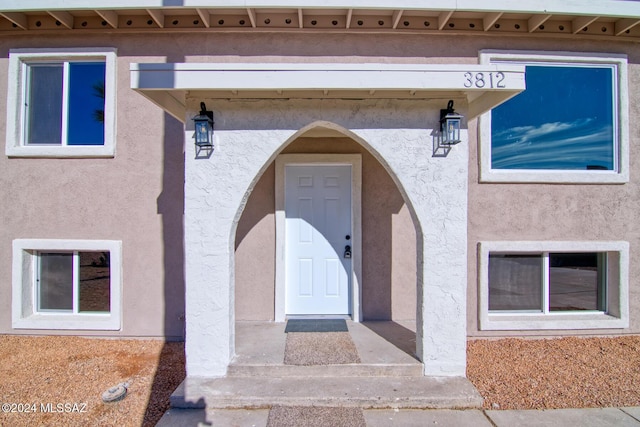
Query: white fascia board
point(484, 86)
point(197, 76)
point(556, 7)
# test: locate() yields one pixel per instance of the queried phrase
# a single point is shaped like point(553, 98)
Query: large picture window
point(61, 103)
point(569, 125)
point(66, 284)
point(553, 285)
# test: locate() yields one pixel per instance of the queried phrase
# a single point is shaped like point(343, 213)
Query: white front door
point(318, 239)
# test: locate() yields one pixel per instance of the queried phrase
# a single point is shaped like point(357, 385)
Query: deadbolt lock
point(347, 251)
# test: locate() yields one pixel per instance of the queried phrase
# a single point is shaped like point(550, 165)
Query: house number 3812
point(481, 80)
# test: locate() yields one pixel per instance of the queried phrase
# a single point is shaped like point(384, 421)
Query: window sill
point(553, 176)
point(61, 152)
point(99, 322)
point(564, 321)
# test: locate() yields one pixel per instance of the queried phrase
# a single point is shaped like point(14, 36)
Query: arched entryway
point(387, 277)
point(251, 135)
point(391, 109)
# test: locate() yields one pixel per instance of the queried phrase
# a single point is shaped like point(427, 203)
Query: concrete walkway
point(591, 417)
point(389, 376)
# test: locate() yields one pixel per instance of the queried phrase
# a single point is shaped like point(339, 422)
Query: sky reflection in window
point(86, 103)
point(563, 120)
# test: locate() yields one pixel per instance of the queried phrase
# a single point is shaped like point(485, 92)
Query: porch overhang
point(168, 85)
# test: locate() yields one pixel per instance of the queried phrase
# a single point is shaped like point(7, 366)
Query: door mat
point(315, 416)
point(316, 325)
point(321, 348)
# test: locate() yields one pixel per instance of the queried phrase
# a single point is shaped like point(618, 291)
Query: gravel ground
point(56, 381)
point(556, 373)
point(509, 373)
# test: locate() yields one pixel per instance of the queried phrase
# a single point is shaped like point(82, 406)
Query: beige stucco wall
point(558, 212)
point(388, 245)
point(137, 197)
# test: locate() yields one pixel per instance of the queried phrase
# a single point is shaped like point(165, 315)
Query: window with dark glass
point(74, 282)
point(547, 282)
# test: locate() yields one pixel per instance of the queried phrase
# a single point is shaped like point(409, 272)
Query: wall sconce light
point(204, 131)
point(450, 125)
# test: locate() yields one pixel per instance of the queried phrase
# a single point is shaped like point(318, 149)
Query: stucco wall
point(137, 197)
point(388, 241)
point(558, 212)
point(396, 133)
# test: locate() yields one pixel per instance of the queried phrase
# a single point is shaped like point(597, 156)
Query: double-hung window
point(568, 125)
point(66, 284)
point(61, 104)
point(553, 285)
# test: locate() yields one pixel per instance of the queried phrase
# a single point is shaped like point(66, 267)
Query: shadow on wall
point(171, 209)
point(171, 364)
point(388, 244)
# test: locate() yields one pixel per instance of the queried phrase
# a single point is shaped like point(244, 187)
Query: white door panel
point(317, 228)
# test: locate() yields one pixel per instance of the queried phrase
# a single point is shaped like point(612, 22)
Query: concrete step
point(348, 370)
point(362, 392)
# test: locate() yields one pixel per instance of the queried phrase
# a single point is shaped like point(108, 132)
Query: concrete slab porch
point(385, 349)
point(389, 375)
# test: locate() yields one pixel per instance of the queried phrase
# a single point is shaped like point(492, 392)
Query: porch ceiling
point(614, 19)
point(483, 86)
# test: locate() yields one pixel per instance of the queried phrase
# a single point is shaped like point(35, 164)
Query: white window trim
point(615, 317)
point(16, 92)
point(618, 176)
point(24, 291)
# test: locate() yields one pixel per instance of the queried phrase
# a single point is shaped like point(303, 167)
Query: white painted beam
point(19, 19)
point(252, 17)
point(486, 101)
point(168, 102)
point(157, 16)
point(205, 16)
point(582, 21)
point(300, 18)
point(65, 18)
point(349, 16)
point(109, 16)
point(252, 76)
point(395, 18)
point(623, 25)
point(443, 18)
point(490, 19)
point(536, 20)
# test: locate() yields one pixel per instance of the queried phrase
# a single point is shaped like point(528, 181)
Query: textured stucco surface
point(394, 131)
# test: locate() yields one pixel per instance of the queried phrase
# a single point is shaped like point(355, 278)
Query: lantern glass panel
point(202, 132)
point(452, 130)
